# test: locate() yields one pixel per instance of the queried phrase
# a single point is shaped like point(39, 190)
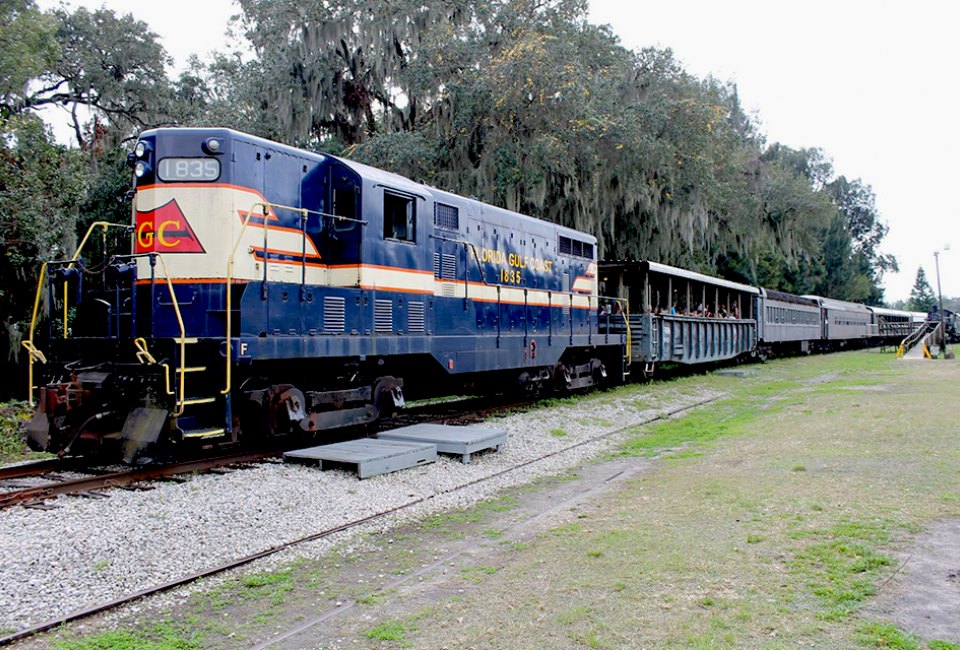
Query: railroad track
point(93, 484)
point(35, 468)
point(239, 562)
point(463, 411)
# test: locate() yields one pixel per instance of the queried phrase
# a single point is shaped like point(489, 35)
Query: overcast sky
point(872, 83)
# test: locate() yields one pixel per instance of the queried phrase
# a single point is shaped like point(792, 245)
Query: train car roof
point(830, 303)
point(666, 269)
point(783, 296)
point(886, 311)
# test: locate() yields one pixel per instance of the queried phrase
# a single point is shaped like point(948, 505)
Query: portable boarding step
point(458, 441)
point(371, 457)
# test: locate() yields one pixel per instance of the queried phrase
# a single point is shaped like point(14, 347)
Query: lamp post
point(943, 326)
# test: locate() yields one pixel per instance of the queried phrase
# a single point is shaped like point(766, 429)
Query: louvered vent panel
point(436, 265)
point(415, 323)
point(448, 268)
point(447, 216)
point(566, 296)
point(383, 315)
point(448, 290)
point(334, 314)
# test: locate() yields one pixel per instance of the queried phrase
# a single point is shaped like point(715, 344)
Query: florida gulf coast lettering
point(513, 265)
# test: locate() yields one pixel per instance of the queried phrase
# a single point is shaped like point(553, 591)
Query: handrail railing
point(229, 289)
point(266, 208)
point(34, 354)
point(909, 342)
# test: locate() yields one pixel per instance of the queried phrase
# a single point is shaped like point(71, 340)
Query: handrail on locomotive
point(34, 354)
point(266, 207)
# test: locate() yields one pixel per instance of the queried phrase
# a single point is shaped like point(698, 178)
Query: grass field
point(769, 525)
point(769, 519)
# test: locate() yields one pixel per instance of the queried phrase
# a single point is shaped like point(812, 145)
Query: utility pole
point(943, 325)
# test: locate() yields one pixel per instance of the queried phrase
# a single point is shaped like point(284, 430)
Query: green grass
point(476, 574)
point(158, 637)
point(13, 446)
point(474, 515)
point(393, 630)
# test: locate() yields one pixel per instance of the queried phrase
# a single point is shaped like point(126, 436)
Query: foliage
point(100, 66)
point(41, 186)
point(529, 106)
point(922, 297)
point(12, 444)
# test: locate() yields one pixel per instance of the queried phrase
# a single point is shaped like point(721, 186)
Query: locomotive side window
point(344, 202)
point(202, 170)
point(399, 217)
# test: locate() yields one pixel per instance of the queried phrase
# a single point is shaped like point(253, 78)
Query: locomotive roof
point(378, 176)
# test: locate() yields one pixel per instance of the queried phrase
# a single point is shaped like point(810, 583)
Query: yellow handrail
point(28, 344)
point(76, 255)
point(183, 336)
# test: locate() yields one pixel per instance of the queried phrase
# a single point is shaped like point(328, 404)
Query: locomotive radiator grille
point(415, 320)
point(448, 267)
point(383, 315)
point(334, 314)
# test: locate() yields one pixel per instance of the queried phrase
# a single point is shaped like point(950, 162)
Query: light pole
point(943, 326)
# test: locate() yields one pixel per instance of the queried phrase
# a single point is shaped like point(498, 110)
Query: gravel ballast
point(89, 551)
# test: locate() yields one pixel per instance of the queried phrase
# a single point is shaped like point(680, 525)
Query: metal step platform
point(458, 441)
point(368, 457)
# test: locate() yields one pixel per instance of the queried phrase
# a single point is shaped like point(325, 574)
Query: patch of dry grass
point(730, 544)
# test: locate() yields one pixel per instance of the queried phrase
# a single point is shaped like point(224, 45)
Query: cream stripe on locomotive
point(514, 295)
point(196, 225)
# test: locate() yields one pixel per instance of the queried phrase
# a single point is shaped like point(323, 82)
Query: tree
point(921, 295)
point(112, 65)
point(41, 185)
point(30, 50)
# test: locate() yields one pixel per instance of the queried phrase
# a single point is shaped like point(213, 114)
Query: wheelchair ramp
point(458, 441)
point(367, 457)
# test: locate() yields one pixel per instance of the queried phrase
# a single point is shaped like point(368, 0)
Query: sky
point(871, 82)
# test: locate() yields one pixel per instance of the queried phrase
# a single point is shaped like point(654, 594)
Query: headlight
point(140, 169)
point(213, 145)
point(141, 149)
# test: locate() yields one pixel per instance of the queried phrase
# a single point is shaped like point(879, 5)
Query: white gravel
point(89, 551)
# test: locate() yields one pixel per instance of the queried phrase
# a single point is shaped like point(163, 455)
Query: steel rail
point(36, 468)
point(233, 564)
point(121, 479)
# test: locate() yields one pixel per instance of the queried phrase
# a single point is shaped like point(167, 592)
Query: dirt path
point(924, 595)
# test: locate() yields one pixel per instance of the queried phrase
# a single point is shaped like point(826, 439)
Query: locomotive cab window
point(344, 202)
point(399, 217)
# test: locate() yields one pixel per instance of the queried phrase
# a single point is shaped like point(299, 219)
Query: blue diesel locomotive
point(271, 291)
